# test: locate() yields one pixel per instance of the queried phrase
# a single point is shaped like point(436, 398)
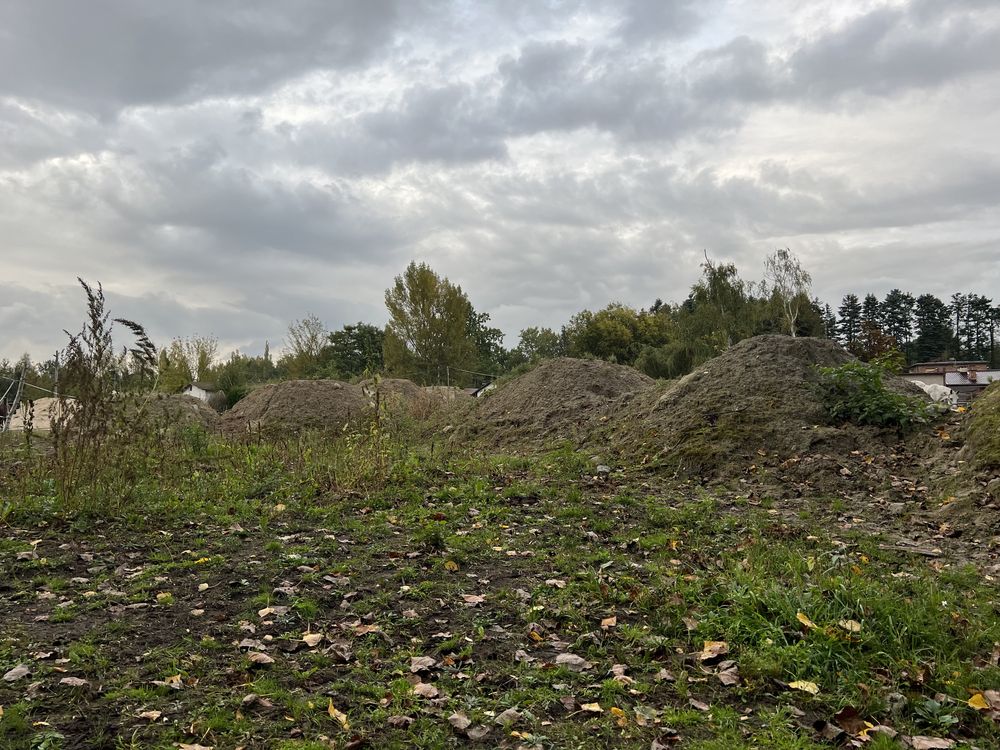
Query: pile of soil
point(756, 405)
point(560, 399)
point(297, 405)
point(984, 429)
point(178, 410)
point(41, 413)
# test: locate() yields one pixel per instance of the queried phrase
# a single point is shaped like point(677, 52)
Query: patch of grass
point(984, 429)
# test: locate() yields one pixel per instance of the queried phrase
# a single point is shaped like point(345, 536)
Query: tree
point(897, 317)
point(933, 329)
point(186, 360)
point(790, 284)
point(428, 329)
point(303, 357)
point(356, 349)
point(849, 326)
point(488, 342)
point(535, 344)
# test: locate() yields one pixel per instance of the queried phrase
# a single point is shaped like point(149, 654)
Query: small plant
point(856, 392)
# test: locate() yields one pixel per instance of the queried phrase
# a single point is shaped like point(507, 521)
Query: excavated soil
point(758, 405)
point(297, 405)
point(178, 410)
point(560, 399)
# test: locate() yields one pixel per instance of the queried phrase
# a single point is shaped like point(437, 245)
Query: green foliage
point(356, 349)
point(428, 330)
point(855, 392)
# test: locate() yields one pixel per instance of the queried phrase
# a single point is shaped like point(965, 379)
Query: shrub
point(856, 392)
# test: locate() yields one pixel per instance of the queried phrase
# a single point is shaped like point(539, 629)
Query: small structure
point(971, 383)
point(938, 373)
point(209, 393)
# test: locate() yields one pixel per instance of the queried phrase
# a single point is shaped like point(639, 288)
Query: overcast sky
point(225, 167)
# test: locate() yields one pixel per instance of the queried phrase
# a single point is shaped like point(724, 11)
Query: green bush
point(855, 392)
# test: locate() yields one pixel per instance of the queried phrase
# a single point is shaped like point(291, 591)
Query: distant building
point(950, 365)
point(209, 393)
point(971, 383)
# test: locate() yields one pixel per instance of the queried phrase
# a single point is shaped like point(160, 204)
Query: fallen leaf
point(478, 733)
point(340, 716)
point(421, 663)
point(851, 626)
point(21, 670)
point(151, 715)
point(399, 721)
point(460, 721)
point(698, 705)
point(805, 686)
point(261, 659)
point(557, 582)
point(509, 716)
point(594, 708)
point(184, 746)
point(202, 587)
point(804, 619)
point(473, 600)
point(74, 682)
point(451, 565)
point(979, 703)
point(713, 650)
point(426, 690)
point(921, 742)
point(849, 718)
point(729, 676)
point(573, 663)
point(174, 682)
point(312, 639)
point(609, 622)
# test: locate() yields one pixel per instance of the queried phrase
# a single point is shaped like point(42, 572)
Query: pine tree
point(849, 326)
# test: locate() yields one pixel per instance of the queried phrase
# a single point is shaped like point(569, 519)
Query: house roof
point(209, 387)
point(982, 377)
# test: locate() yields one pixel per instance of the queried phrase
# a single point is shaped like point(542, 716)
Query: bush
point(855, 392)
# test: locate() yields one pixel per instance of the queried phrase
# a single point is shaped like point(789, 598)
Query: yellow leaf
point(451, 565)
point(202, 560)
point(810, 563)
point(279, 507)
point(594, 708)
point(979, 703)
point(1, 712)
point(851, 626)
point(806, 687)
point(801, 617)
point(713, 650)
point(338, 715)
point(621, 718)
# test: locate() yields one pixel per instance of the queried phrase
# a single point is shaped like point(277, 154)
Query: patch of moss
point(984, 428)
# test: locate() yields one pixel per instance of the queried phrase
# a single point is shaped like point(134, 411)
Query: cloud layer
point(225, 168)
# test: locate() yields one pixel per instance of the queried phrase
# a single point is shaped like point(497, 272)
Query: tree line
point(436, 336)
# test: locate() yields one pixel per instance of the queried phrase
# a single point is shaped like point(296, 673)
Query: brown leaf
point(21, 670)
point(260, 659)
point(698, 705)
point(473, 600)
point(849, 718)
point(573, 663)
point(713, 651)
point(609, 622)
point(74, 682)
point(921, 742)
point(399, 721)
point(478, 733)
point(460, 721)
point(426, 690)
point(509, 716)
point(421, 663)
point(312, 639)
point(729, 676)
point(151, 715)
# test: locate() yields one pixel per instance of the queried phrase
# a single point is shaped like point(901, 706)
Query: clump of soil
point(297, 405)
point(176, 410)
point(757, 404)
point(983, 432)
point(560, 399)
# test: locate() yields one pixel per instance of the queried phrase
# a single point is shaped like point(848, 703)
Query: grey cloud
point(105, 54)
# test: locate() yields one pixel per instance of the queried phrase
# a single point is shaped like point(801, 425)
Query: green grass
point(383, 565)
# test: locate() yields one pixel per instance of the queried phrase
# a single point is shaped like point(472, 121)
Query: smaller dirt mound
point(39, 414)
point(983, 432)
point(177, 410)
point(297, 405)
point(560, 399)
point(758, 403)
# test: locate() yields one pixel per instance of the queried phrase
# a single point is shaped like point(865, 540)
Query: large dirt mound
point(297, 405)
point(560, 399)
point(984, 429)
point(756, 404)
